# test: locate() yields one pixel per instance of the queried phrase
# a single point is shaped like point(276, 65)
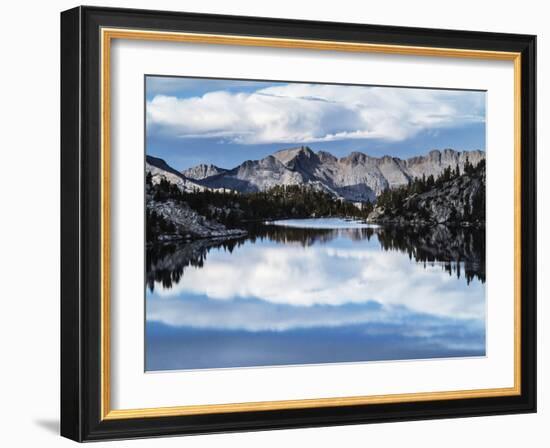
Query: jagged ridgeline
point(443, 187)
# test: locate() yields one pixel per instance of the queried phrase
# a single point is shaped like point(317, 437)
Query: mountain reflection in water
point(458, 250)
point(316, 291)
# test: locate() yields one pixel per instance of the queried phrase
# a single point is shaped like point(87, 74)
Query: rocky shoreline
point(187, 224)
point(458, 202)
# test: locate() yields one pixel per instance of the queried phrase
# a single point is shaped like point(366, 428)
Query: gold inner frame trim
point(107, 35)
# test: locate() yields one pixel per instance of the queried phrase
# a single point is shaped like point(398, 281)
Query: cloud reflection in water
point(271, 303)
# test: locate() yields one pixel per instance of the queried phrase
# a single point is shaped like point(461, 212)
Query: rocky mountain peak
point(354, 158)
point(434, 155)
point(388, 159)
point(202, 171)
point(270, 162)
point(326, 157)
point(286, 155)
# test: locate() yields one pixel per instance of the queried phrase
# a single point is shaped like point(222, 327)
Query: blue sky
point(225, 122)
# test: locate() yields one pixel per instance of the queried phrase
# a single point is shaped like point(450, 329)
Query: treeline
point(157, 226)
point(166, 263)
point(394, 200)
point(282, 201)
point(457, 250)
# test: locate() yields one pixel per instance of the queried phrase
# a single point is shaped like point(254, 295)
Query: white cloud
point(257, 315)
point(303, 113)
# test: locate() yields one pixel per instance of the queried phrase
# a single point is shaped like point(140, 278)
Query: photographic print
point(232, 219)
point(292, 223)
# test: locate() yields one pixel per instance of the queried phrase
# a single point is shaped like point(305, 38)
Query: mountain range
point(356, 177)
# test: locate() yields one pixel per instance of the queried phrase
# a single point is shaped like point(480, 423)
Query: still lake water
point(316, 291)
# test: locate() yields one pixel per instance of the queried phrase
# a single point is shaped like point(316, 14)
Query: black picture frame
point(81, 224)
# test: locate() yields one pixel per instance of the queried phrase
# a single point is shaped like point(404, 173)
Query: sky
point(225, 122)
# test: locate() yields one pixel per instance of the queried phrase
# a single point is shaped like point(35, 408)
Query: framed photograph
point(276, 224)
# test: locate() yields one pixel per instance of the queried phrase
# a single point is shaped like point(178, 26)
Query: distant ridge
point(202, 171)
point(355, 177)
point(159, 169)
